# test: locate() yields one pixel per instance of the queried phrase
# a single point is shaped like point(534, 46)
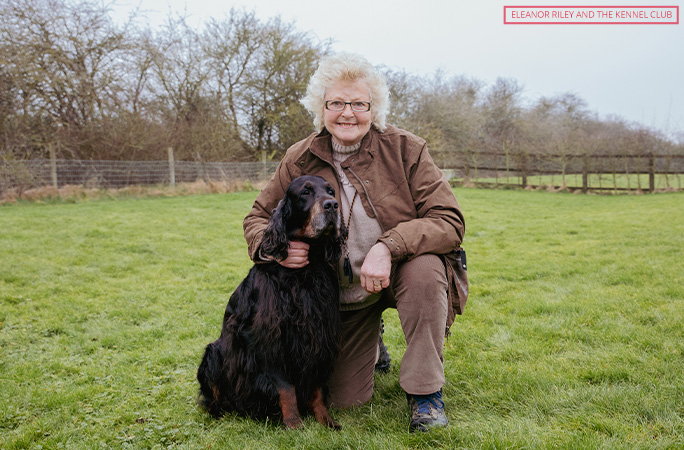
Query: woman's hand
point(375, 271)
point(297, 255)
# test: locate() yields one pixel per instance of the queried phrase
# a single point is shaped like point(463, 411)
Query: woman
point(402, 219)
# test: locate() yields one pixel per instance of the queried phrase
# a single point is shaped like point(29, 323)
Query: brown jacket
point(398, 183)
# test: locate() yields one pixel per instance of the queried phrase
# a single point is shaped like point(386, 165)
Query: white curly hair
point(352, 67)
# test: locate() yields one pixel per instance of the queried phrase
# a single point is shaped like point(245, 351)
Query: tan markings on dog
point(312, 226)
point(287, 399)
point(321, 412)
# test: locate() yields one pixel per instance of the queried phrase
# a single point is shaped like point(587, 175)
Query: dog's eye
point(331, 191)
point(306, 192)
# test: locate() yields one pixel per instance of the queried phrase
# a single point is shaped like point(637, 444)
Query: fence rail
point(591, 169)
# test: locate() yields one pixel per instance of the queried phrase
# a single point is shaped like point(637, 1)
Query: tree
point(556, 127)
point(502, 121)
point(444, 111)
point(274, 117)
point(231, 47)
point(64, 58)
point(192, 114)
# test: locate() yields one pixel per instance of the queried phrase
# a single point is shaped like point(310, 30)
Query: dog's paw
point(293, 423)
point(334, 425)
point(324, 419)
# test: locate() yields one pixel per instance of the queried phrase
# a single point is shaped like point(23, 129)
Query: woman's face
point(347, 127)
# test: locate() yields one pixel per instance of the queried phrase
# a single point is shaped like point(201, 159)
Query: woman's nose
point(347, 111)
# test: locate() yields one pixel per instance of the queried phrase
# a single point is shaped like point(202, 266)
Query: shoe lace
point(424, 402)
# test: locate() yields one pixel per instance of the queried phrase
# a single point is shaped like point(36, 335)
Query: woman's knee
point(423, 276)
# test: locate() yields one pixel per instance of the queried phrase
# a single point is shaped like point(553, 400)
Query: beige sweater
point(363, 234)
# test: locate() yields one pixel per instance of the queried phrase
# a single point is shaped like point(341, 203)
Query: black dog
point(281, 326)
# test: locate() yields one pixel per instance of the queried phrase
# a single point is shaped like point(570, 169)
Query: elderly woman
point(403, 222)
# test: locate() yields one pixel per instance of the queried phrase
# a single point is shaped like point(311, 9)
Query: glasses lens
point(335, 105)
point(360, 106)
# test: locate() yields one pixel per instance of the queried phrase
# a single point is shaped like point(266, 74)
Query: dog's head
point(308, 212)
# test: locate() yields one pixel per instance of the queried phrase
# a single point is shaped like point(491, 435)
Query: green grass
point(572, 336)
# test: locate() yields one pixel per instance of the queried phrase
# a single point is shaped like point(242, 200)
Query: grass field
point(572, 337)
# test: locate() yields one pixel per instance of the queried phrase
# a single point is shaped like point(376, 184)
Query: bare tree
point(231, 47)
point(502, 111)
point(64, 57)
point(444, 111)
point(275, 118)
point(193, 116)
point(555, 128)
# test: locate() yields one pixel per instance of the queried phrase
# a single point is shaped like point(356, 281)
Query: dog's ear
point(275, 241)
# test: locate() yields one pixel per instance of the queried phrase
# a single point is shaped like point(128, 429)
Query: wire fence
point(588, 172)
point(35, 173)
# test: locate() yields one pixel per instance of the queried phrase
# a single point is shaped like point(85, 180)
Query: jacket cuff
point(255, 246)
point(396, 245)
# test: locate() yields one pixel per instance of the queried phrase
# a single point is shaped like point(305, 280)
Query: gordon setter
point(281, 326)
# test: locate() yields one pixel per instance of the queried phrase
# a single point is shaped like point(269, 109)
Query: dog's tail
point(209, 377)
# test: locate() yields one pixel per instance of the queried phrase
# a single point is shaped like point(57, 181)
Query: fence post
point(651, 173)
point(524, 170)
point(585, 175)
point(172, 168)
point(264, 164)
point(53, 166)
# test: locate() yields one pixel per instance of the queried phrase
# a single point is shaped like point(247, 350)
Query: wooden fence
point(656, 171)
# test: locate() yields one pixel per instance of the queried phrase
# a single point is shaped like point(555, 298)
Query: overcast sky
point(633, 71)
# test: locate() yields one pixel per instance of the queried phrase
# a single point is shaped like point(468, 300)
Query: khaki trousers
point(418, 290)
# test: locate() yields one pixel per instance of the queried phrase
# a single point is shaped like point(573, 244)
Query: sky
point(635, 72)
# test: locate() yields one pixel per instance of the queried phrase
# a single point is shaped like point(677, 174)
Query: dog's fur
point(281, 326)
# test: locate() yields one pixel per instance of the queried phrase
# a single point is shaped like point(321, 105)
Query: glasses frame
point(350, 106)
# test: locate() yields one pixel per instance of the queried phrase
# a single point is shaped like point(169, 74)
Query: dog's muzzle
point(326, 218)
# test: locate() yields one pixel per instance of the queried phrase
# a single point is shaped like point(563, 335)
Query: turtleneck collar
point(345, 150)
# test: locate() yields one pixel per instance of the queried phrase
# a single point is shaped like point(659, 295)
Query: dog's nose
point(330, 204)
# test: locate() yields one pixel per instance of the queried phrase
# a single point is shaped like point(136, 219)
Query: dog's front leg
point(287, 399)
point(321, 412)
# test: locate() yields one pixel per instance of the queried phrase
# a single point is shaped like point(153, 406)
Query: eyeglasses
point(338, 105)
